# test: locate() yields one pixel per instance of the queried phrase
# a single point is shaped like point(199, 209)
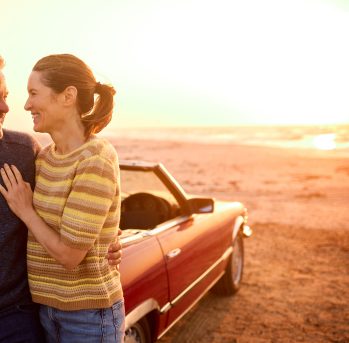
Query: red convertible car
point(175, 248)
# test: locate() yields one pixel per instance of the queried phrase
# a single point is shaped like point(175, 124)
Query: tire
point(138, 332)
point(230, 282)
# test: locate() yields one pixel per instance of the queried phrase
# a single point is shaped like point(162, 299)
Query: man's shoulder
point(12, 136)
point(22, 139)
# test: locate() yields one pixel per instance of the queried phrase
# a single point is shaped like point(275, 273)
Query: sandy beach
point(296, 279)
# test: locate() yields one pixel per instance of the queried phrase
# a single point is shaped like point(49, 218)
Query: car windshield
point(146, 201)
point(135, 181)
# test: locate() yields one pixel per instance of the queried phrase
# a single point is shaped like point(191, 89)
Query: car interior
point(145, 210)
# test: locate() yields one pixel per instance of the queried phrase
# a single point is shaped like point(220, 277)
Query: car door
point(144, 277)
point(192, 251)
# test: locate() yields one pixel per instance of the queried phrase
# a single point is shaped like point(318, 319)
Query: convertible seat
point(139, 219)
point(143, 211)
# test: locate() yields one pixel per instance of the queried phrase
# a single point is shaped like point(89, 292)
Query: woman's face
point(43, 104)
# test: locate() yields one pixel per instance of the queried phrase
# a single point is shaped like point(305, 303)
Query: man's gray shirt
point(19, 149)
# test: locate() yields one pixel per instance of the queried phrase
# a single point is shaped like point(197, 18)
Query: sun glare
point(219, 67)
point(325, 141)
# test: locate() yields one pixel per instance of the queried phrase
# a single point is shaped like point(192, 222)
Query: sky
point(191, 62)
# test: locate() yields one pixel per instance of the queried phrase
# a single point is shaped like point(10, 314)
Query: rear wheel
point(231, 280)
point(138, 332)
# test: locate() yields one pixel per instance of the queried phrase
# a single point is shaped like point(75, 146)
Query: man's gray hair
point(2, 62)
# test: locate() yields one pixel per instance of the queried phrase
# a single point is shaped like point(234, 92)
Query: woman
point(74, 212)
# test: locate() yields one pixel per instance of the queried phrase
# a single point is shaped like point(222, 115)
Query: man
point(19, 320)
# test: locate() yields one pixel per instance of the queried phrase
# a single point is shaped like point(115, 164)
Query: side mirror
point(201, 205)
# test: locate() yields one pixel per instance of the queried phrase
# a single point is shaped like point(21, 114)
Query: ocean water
point(330, 137)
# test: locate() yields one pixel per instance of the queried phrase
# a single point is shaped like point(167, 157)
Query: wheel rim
point(135, 334)
point(237, 261)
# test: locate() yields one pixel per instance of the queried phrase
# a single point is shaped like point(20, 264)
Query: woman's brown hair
point(64, 70)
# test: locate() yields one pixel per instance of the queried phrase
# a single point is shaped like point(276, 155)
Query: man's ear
point(70, 95)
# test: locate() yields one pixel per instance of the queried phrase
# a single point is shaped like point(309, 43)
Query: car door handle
point(173, 253)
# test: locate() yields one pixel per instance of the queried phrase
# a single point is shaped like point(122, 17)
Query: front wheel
point(138, 332)
point(231, 280)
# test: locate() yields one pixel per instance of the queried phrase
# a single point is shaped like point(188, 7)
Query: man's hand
point(114, 253)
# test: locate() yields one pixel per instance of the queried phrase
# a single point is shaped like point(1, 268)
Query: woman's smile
point(36, 117)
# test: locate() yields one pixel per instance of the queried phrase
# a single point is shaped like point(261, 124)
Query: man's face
point(3, 105)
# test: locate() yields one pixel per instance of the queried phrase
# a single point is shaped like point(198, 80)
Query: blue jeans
point(20, 324)
point(105, 325)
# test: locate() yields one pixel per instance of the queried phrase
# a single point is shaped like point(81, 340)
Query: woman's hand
point(18, 193)
point(19, 197)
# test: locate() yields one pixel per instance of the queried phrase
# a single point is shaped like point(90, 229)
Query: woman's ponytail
point(101, 114)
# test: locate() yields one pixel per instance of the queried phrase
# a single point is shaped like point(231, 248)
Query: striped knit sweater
point(77, 195)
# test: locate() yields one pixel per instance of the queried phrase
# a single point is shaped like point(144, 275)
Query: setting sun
point(325, 141)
